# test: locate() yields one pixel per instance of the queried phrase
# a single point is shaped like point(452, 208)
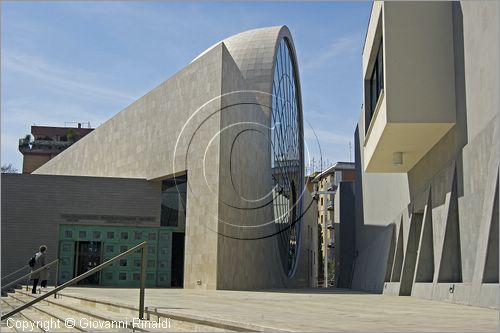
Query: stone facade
point(427, 224)
point(210, 121)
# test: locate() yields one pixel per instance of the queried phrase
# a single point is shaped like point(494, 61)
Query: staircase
point(77, 314)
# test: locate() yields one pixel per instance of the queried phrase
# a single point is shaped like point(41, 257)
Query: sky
point(64, 62)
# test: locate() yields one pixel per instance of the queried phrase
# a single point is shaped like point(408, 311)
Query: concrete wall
point(444, 207)
point(31, 162)
point(201, 122)
point(345, 236)
point(33, 206)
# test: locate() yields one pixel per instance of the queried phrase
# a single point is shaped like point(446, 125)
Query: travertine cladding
point(451, 194)
point(33, 206)
point(209, 121)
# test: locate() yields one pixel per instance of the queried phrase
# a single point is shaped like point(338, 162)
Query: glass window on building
point(376, 82)
point(173, 201)
point(110, 235)
point(137, 262)
point(124, 235)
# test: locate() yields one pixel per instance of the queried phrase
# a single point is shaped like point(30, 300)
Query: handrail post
point(143, 281)
point(57, 278)
point(80, 277)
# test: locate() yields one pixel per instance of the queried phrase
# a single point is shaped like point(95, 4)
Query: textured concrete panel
point(460, 171)
point(211, 120)
point(33, 207)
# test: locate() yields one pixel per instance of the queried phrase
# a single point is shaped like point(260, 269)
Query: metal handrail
point(13, 273)
point(94, 270)
point(29, 274)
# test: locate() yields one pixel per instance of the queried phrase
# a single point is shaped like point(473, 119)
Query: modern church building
point(427, 152)
point(208, 168)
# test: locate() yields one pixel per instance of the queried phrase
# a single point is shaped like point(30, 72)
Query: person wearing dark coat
point(42, 275)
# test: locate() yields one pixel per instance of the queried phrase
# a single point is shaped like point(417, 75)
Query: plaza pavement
point(331, 310)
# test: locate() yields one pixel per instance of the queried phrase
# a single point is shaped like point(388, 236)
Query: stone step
point(84, 318)
point(48, 314)
point(20, 322)
point(178, 322)
point(89, 310)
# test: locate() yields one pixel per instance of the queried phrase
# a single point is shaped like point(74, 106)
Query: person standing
point(39, 263)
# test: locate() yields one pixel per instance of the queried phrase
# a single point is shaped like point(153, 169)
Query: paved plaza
point(307, 309)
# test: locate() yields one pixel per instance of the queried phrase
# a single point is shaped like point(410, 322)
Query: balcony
point(332, 188)
point(329, 205)
point(409, 83)
point(42, 146)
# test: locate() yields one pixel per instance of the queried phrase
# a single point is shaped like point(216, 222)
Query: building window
point(122, 276)
point(111, 235)
point(376, 83)
point(152, 236)
point(321, 201)
point(124, 235)
point(123, 248)
point(137, 235)
point(96, 234)
point(173, 201)
point(123, 262)
point(68, 234)
point(137, 262)
point(110, 248)
point(82, 234)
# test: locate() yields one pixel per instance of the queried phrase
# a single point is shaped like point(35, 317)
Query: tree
point(8, 168)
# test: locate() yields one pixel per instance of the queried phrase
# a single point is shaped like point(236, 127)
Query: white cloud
point(60, 76)
point(340, 46)
point(326, 137)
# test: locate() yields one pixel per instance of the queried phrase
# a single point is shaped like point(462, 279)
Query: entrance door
point(87, 256)
point(177, 279)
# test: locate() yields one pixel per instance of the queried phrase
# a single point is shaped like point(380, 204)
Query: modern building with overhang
point(208, 167)
point(427, 152)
